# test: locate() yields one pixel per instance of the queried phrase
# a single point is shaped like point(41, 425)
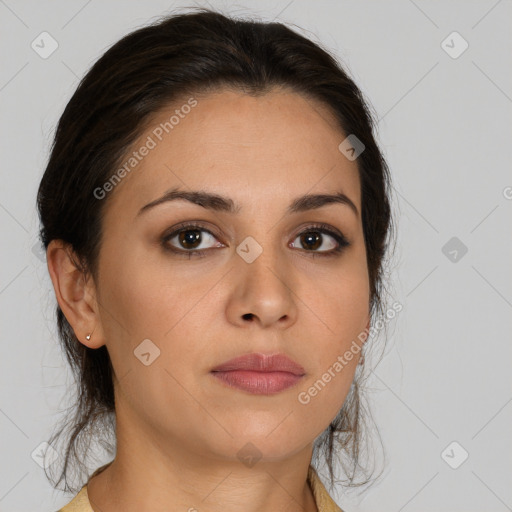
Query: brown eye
point(320, 241)
point(190, 239)
point(311, 240)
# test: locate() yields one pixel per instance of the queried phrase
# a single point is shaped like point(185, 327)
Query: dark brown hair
point(179, 55)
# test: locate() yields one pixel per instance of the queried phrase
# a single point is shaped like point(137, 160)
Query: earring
point(88, 337)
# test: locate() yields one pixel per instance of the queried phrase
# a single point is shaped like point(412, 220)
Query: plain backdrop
point(438, 75)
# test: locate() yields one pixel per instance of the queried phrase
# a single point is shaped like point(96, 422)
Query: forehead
point(271, 147)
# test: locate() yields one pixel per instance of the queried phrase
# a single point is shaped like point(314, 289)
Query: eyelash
point(200, 253)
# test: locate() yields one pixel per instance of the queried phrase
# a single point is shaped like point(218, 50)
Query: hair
point(186, 54)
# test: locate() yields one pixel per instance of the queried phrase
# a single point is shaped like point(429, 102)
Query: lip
point(259, 373)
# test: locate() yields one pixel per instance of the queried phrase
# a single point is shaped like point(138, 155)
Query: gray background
point(444, 125)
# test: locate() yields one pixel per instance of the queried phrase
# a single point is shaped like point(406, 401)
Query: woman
point(215, 212)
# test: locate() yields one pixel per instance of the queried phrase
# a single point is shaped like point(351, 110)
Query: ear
point(75, 293)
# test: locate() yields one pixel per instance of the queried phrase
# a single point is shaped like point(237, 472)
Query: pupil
point(194, 236)
point(311, 237)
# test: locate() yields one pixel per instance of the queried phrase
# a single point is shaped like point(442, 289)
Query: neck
point(152, 472)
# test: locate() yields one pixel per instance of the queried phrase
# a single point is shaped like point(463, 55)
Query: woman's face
point(169, 316)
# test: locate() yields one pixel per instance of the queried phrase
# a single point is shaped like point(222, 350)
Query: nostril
point(248, 316)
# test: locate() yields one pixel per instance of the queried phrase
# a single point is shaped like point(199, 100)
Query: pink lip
point(260, 374)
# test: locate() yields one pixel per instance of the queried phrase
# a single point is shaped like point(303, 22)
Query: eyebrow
point(219, 203)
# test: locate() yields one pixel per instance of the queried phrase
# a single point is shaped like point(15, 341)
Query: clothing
point(324, 503)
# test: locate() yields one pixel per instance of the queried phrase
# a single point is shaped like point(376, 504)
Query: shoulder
point(80, 503)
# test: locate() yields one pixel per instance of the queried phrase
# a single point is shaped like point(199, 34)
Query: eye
point(193, 239)
point(313, 238)
point(190, 239)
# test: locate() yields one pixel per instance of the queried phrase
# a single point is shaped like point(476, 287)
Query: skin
point(179, 428)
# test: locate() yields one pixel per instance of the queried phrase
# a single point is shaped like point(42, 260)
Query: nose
point(262, 291)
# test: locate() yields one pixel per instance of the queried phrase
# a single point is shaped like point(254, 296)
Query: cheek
point(338, 304)
point(144, 292)
point(148, 308)
point(149, 297)
point(333, 365)
point(132, 304)
point(340, 311)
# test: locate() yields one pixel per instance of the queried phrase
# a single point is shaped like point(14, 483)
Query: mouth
point(260, 374)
